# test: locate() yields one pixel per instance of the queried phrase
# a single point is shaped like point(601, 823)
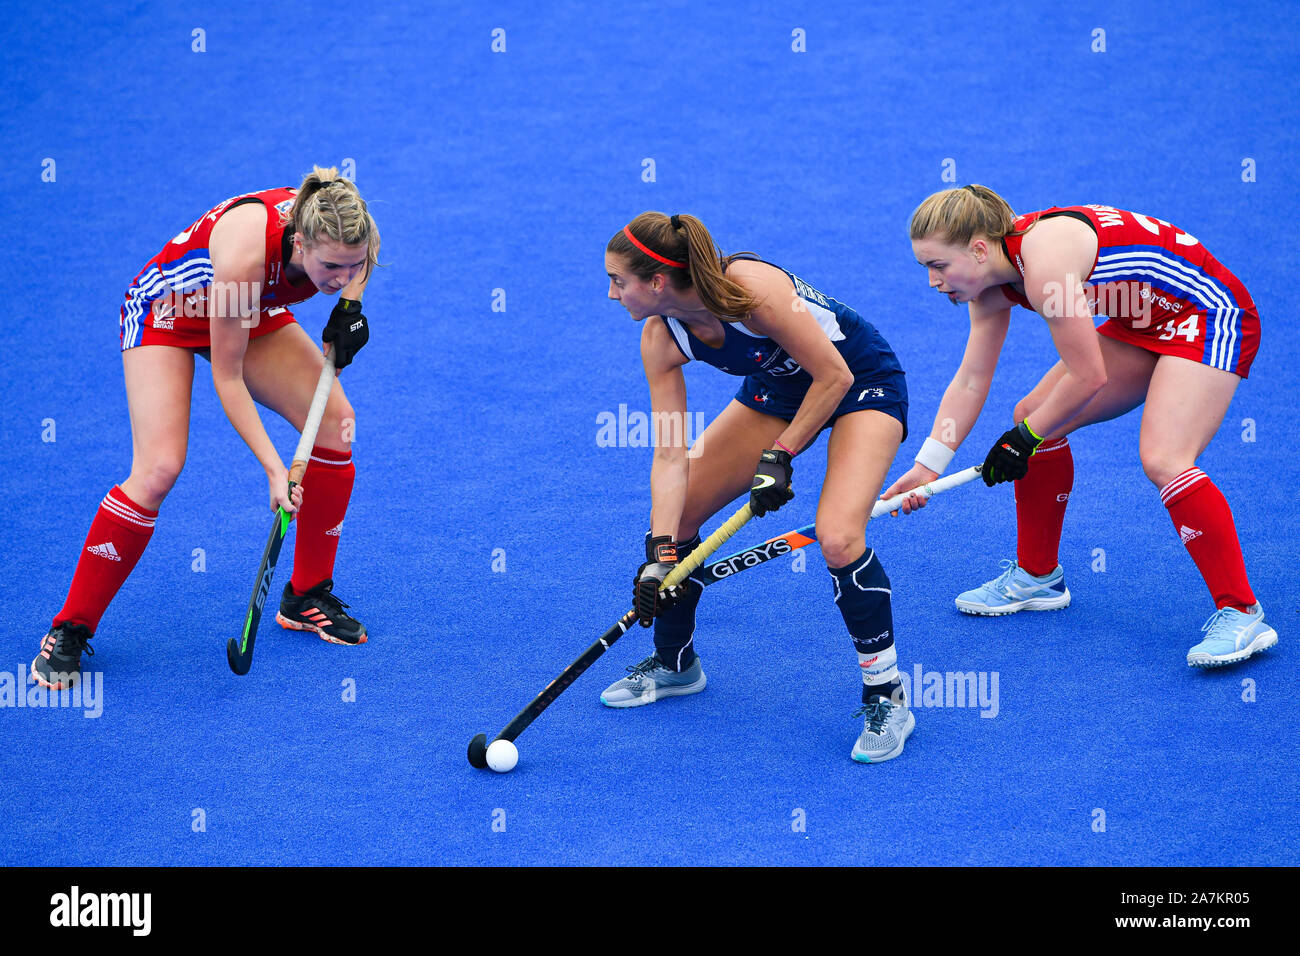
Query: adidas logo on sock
point(105, 550)
point(336, 530)
point(1187, 534)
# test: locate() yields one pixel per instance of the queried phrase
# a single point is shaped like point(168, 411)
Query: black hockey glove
point(348, 331)
point(771, 488)
point(661, 558)
point(1008, 460)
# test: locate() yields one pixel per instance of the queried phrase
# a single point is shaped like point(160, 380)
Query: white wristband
point(935, 455)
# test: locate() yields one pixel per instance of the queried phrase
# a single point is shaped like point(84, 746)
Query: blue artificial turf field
point(477, 437)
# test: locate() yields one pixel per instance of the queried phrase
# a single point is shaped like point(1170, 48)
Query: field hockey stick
point(802, 537)
point(240, 652)
point(478, 746)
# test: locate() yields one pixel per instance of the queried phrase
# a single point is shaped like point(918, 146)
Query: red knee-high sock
point(326, 488)
point(116, 539)
point(1041, 497)
point(1204, 521)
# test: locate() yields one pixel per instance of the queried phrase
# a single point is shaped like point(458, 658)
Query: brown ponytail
point(959, 215)
point(694, 261)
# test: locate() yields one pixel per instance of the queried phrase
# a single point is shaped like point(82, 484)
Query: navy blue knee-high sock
point(863, 595)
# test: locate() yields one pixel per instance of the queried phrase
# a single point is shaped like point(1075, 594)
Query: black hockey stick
point(478, 746)
point(239, 653)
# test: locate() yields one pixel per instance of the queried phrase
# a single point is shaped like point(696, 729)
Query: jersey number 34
point(1189, 328)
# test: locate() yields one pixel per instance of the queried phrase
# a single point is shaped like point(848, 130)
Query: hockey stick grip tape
point(882, 508)
point(319, 400)
point(707, 547)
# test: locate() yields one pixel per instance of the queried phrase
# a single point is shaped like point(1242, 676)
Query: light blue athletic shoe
point(1233, 636)
point(885, 728)
point(1015, 589)
point(650, 680)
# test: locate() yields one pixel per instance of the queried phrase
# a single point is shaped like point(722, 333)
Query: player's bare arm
point(1058, 255)
point(239, 265)
point(964, 398)
point(782, 316)
point(663, 363)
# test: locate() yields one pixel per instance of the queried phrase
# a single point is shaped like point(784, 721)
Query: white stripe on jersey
point(1204, 290)
point(1218, 334)
point(194, 273)
point(1225, 338)
point(183, 278)
point(147, 288)
point(828, 320)
point(142, 295)
point(1232, 341)
point(137, 297)
point(679, 333)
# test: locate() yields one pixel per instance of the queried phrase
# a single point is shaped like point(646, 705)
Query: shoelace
point(1219, 616)
point(74, 639)
point(325, 595)
point(876, 712)
point(639, 671)
point(1005, 576)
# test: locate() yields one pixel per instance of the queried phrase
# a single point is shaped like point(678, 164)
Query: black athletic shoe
point(320, 611)
point(58, 665)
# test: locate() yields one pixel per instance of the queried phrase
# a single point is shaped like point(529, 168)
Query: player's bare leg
point(158, 383)
point(720, 467)
point(1185, 406)
point(281, 370)
point(1128, 375)
point(861, 448)
point(1035, 581)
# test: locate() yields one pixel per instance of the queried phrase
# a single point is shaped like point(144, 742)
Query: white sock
point(879, 668)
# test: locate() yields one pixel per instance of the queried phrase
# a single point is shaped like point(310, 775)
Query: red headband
point(653, 255)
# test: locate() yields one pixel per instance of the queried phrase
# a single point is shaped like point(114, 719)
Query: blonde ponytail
point(329, 206)
point(958, 215)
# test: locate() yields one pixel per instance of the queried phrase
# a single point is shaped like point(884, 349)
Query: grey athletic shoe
point(885, 727)
point(650, 680)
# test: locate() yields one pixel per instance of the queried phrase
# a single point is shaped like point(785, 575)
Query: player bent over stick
point(809, 363)
point(222, 288)
point(1181, 334)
